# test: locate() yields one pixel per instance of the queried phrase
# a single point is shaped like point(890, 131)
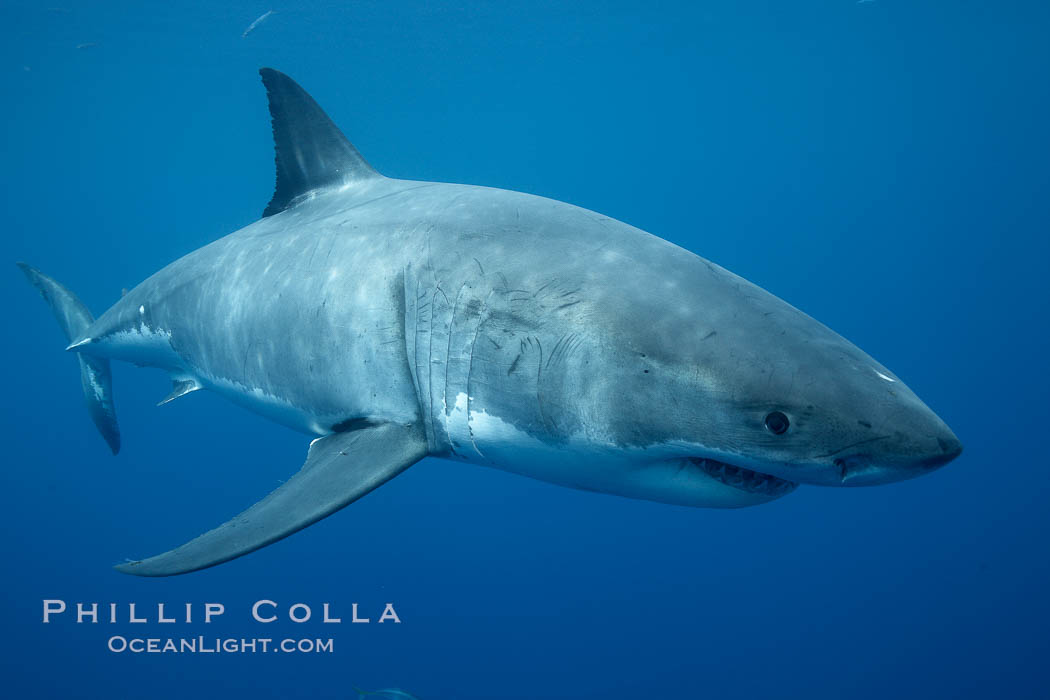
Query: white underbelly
point(481, 438)
point(272, 407)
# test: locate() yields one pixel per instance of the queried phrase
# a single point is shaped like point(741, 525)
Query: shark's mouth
point(743, 478)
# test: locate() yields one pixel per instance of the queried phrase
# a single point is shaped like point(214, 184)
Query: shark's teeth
point(741, 478)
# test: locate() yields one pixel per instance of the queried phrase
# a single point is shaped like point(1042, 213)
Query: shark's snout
point(950, 448)
point(904, 455)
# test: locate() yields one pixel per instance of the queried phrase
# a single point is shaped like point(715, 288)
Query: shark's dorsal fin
point(311, 151)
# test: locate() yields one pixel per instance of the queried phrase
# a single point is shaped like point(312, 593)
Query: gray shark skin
point(391, 320)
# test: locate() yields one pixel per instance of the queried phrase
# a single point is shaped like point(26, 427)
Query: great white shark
point(391, 320)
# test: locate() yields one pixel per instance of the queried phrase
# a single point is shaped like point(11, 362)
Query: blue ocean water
point(881, 165)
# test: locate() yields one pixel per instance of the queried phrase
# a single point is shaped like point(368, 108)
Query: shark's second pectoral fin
point(339, 469)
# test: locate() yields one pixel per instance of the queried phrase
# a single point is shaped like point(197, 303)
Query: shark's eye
point(777, 423)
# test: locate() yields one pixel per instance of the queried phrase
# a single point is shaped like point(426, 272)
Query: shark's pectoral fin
point(339, 469)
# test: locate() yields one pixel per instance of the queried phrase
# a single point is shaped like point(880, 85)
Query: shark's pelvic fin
point(339, 469)
point(180, 387)
point(311, 151)
point(95, 378)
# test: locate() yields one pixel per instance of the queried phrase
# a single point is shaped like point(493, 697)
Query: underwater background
point(881, 165)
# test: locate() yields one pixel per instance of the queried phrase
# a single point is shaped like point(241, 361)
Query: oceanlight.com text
point(217, 645)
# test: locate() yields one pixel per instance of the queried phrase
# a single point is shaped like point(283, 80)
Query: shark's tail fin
point(74, 318)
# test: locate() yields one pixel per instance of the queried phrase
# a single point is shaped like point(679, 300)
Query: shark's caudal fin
point(311, 151)
point(95, 379)
point(339, 469)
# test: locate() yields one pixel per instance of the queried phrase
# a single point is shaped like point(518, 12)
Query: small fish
point(386, 694)
point(87, 45)
point(256, 23)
